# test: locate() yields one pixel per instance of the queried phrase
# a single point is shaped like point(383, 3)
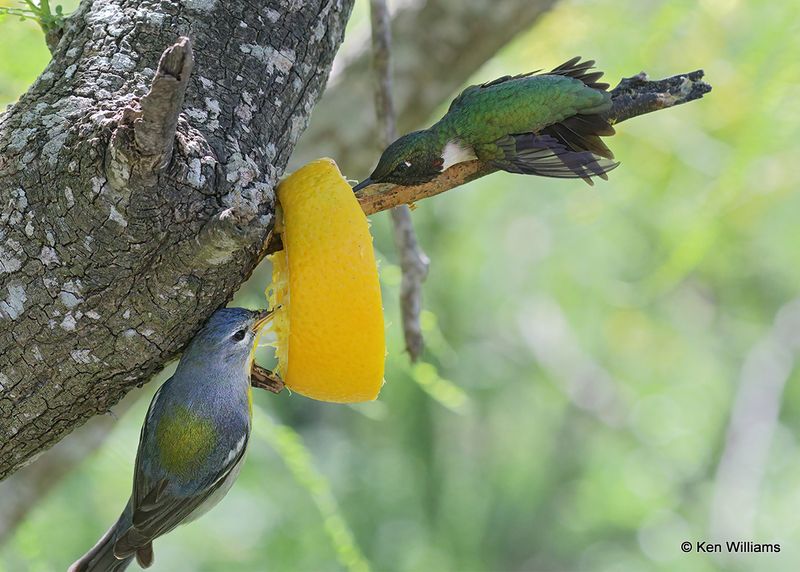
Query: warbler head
point(413, 159)
point(229, 335)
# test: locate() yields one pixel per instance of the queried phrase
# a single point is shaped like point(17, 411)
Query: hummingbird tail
point(100, 558)
point(582, 132)
point(581, 70)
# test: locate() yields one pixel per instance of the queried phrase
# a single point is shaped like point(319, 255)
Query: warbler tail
point(100, 557)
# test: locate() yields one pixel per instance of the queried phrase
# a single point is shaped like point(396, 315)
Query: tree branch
point(413, 261)
point(262, 378)
point(639, 94)
point(124, 224)
point(162, 104)
point(633, 96)
point(382, 70)
point(414, 264)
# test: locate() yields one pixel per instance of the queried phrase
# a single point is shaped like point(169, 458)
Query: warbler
point(192, 442)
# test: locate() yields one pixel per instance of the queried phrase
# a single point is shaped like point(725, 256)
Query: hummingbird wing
point(573, 68)
point(582, 132)
point(546, 156)
point(579, 70)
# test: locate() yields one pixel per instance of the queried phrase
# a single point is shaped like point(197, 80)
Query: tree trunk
point(127, 219)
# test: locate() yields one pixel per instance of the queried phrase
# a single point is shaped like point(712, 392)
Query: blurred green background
point(588, 347)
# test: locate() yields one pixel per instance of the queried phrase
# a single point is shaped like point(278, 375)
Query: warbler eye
point(239, 335)
point(403, 166)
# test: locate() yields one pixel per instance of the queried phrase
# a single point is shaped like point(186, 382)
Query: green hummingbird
point(546, 124)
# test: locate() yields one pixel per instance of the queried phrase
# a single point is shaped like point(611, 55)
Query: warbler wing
point(160, 510)
point(158, 504)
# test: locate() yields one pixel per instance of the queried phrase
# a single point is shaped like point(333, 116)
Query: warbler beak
point(365, 183)
point(264, 317)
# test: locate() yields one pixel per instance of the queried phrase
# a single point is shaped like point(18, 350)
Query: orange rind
point(328, 322)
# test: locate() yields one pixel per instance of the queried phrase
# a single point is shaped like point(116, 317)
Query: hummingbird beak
point(365, 183)
point(264, 317)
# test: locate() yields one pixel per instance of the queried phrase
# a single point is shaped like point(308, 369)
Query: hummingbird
point(546, 124)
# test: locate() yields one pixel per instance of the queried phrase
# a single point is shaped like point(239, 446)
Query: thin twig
point(413, 261)
point(382, 69)
point(263, 378)
point(633, 96)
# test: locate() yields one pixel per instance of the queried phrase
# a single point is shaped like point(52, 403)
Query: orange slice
point(330, 333)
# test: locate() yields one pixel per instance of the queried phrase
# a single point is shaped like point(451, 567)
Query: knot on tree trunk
point(141, 145)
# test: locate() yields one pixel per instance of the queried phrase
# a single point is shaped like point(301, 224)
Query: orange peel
point(328, 323)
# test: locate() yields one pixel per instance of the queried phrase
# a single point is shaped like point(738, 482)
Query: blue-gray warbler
point(192, 442)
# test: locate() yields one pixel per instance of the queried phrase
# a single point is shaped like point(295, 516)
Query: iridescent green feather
point(518, 105)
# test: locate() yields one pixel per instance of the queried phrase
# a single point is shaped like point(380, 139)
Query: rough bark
point(108, 266)
point(28, 486)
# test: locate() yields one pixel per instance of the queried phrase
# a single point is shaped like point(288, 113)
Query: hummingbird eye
point(239, 335)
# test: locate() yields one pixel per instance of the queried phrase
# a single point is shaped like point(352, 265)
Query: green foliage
point(40, 13)
point(595, 339)
point(23, 53)
point(289, 445)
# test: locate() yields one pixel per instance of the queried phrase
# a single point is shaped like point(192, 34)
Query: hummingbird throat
point(456, 151)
